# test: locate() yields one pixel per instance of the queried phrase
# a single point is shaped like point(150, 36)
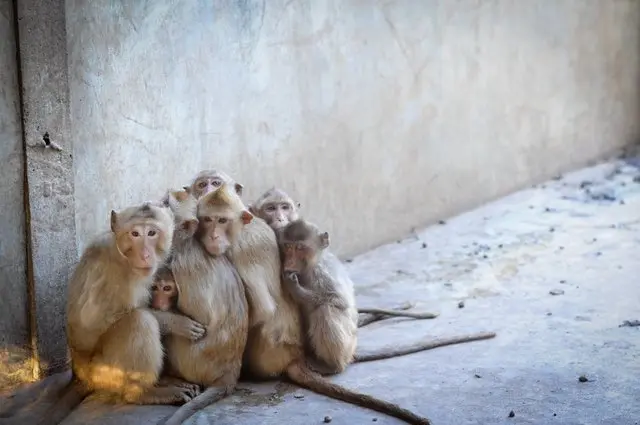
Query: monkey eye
point(271, 208)
point(154, 288)
point(285, 207)
point(135, 233)
point(166, 288)
point(207, 219)
point(151, 233)
point(222, 220)
point(216, 183)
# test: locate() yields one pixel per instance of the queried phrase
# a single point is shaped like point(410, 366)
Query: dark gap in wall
point(31, 292)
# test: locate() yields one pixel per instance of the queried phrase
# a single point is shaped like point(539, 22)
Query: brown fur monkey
point(211, 291)
point(114, 341)
point(266, 357)
point(210, 180)
point(255, 255)
point(277, 209)
point(164, 291)
point(318, 281)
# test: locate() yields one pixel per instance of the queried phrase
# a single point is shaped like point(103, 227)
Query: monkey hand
point(291, 277)
point(187, 328)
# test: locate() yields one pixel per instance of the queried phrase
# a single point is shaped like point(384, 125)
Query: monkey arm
point(178, 324)
point(302, 295)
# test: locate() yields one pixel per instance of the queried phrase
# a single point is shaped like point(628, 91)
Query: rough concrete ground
point(579, 234)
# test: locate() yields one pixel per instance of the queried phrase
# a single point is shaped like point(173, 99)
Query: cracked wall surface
point(396, 114)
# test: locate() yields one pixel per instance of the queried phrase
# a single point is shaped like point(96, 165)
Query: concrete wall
point(14, 328)
point(378, 116)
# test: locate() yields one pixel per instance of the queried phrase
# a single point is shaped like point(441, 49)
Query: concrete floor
point(579, 234)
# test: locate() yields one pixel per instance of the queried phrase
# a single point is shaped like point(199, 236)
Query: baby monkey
point(164, 291)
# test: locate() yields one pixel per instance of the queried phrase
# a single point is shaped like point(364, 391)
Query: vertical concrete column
point(42, 50)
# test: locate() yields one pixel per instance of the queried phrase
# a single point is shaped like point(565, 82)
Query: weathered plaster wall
point(14, 329)
point(378, 116)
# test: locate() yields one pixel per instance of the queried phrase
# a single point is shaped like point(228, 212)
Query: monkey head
point(208, 181)
point(184, 206)
point(276, 208)
point(222, 215)
point(164, 291)
point(301, 244)
point(143, 236)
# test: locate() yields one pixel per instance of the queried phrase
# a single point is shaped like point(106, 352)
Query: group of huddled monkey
point(184, 295)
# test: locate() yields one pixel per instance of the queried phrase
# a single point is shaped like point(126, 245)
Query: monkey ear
point(323, 240)
point(239, 188)
point(246, 217)
point(114, 221)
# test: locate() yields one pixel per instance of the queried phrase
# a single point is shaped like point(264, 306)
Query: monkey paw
point(189, 329)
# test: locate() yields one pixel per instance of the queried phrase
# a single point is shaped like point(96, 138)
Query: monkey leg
point(130, 361)
point(299, 373)
point(332, 338)
point(389, 352)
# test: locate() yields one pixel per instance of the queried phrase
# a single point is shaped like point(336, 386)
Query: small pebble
point(375, 419)
point(563, 281)
point(512, 414)
point(424, 245)
point(629, 324)
point(348, 260)
point(583, 378)
point(598, 254)
point(485, 256)
point(549, 313)
point(327, 419)
point(555, 414)
point(556, 292)
point(552, 229)
point(561, 247)
point(500, 246)
point(477, 376)
point(442, 222)
point(461, 304)
point(298, 395)
point(622, 202)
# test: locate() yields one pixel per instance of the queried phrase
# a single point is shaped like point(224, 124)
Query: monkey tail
point(209, 396)
point(397, 313)
point(299, 373)
point(389, 352)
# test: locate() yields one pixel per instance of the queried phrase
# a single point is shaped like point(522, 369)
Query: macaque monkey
point(277, 209)
point(321, 286)
point(210, 180)
point(164, 291)
point(114, 340)
point(212, 292)
point(254, 253)
point(267, 357)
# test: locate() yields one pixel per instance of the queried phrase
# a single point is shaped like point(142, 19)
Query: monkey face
point(217, 229)
point(142, 245)
point(207, 183)
point(163, 295)
point(278, 214)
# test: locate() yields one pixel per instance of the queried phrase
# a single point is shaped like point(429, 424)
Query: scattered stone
point(556, 292)
point(327, 419)
point(549, 313)
point(594, 239)
point(348, 260)
point(585, 184)
point(485, 256)
point(512, 414)
point(563, 281)
point(561, 247)
point(374, 419)
point(602, 196)
point(583, 378)
point(298, 396)
point(555, 414)
point(552, 229)
point(461, 304)
point(622, 202)
point(442, 222)
point(629, 324)
point(500, 245)
point(477, 376)
point(424, 245)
